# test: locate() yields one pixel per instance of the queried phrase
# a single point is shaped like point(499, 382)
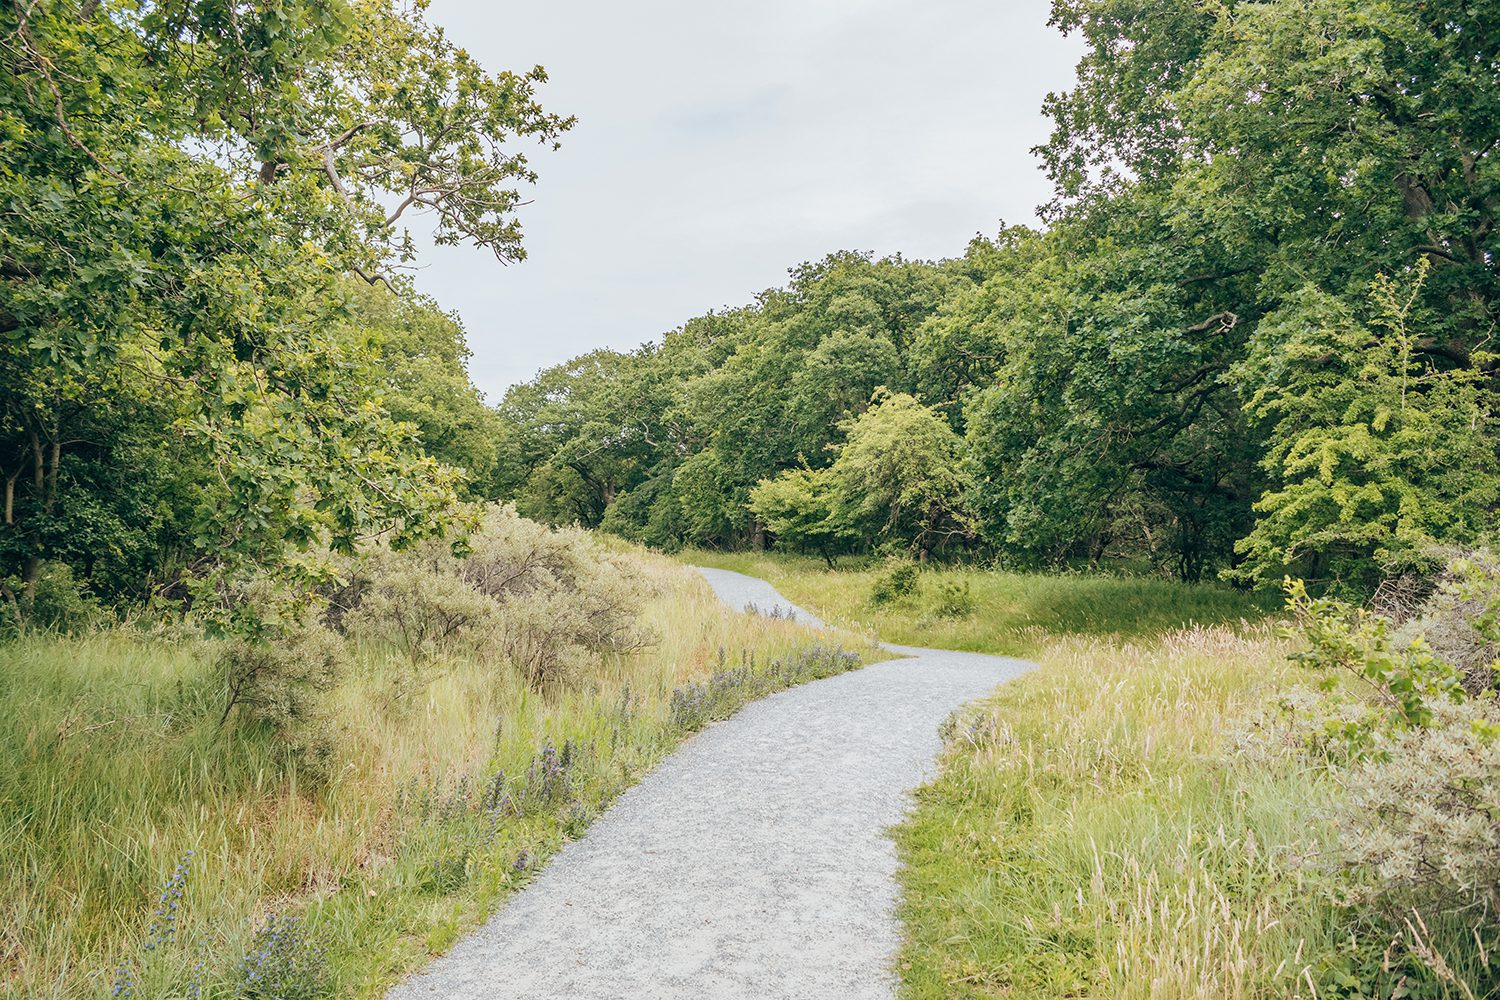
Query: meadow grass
point(1088, 835)
point(452, 782)
point(1018, 614)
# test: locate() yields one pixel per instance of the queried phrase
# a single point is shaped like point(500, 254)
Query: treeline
point(1255, 337)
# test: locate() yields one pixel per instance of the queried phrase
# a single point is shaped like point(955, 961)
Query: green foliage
point(954, 599)
point(423, 356)
point(280, 681)
point(901, 579)
point(188, 187)
point(1375, 453)
point(897, 477)
point(56, 602)
point(798, 508)
point(1183, 369)
point(1354, 641)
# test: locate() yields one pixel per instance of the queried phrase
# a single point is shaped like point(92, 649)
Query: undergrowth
point(154, 850)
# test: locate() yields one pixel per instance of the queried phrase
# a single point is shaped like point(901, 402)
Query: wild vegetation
point(364, 804)
point(1254, 338)
point(289, 698)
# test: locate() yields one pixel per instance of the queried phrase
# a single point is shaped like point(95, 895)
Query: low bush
point(1459, 621)
point(422, 611)
point(901, 579)
point(280, 680)
point(55, 602)
point(954, 599)
point(549, 601)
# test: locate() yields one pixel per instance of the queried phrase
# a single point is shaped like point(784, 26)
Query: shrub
point(901, 579)
point(563, 598)
point(280, 680)
point(1459, 621)
point(422, 611)
point(549, 600)
point(954, 600)
point(1418, 768)
point(1418, 827)
point(57, 601)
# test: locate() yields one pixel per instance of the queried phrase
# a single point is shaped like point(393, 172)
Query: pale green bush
point(280, 679)
point(1458, 622)
point(1419, 827)
point(1417, 758)
point(548, 600)
point(421, 610)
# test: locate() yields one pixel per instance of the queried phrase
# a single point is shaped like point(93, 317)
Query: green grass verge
point(1089, 836)
point(1017, 614)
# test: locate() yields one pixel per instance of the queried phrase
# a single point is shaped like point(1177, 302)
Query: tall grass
point(1014, 613)
point(116, 767)
point(1086, 837)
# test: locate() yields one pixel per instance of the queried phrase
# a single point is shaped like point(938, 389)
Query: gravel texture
point(754, 862)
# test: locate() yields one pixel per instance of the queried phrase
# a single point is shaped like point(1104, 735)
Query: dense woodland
point(1256, 336)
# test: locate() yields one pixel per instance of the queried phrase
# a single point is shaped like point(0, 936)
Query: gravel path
point(753, 862)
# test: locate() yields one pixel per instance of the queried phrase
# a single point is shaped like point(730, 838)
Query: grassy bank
point(452, 780)
point(1018, 614)
point(1089, 837)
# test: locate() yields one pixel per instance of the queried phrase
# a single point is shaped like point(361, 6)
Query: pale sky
point(718, 145)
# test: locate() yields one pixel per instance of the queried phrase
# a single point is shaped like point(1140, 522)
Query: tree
point(185, 186)
point(898, 476)
point(423, 356)
point(1376, 454)
point(798, 507)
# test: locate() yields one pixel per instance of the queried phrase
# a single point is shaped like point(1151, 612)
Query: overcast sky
point(718, 145)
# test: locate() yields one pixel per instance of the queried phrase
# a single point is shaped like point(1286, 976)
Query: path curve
point(753, 862)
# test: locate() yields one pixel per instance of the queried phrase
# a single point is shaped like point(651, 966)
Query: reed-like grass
point(116, 766)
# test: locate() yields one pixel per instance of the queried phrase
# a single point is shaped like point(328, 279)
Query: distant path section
point(753, 862)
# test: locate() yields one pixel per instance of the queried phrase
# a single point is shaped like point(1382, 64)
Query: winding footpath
point(754, 862)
